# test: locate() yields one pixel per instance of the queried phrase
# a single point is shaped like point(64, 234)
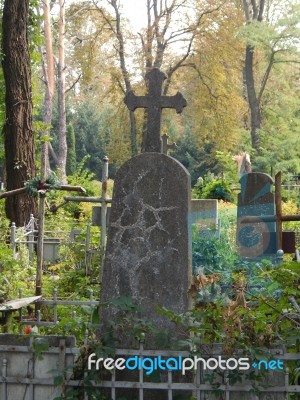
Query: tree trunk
point(48, 71)
point(159, 17)
point(62, 123)
point(121, 51)
point(253, 13)
point(253, 102)
point(18, 132)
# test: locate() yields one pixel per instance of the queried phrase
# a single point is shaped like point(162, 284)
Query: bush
point(212, 187)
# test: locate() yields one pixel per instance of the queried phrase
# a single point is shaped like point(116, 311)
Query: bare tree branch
point(74, 83)
point(266, 77)
point(105, 17)
point(178, 65)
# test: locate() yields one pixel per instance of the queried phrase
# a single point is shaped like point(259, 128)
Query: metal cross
point(154, 101)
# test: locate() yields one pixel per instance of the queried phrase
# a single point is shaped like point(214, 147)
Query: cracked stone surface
point(148, 250)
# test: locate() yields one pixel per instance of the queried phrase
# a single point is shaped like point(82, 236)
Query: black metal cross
point(154, 101)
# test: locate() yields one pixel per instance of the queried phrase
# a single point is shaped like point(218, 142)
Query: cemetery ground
point(239, 304)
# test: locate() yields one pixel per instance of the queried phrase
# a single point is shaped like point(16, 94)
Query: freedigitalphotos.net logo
point(183, 364)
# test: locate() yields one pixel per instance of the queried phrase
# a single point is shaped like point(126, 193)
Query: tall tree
point(269, 41)
point(54, 50)
point(214, 85)
point(164, 29)
point(253, 13)
point(116, 28)
point(62, 122)
point(49, 81)
point(168, 22)
point(18, 132)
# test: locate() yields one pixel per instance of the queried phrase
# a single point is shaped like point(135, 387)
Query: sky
point(135, 11)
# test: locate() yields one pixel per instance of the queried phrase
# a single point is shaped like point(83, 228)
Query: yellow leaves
point(216, 104)
point(56, 267)
point(118, 147)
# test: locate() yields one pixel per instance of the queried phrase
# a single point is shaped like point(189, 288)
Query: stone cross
point(154, 101)
point(165, 146)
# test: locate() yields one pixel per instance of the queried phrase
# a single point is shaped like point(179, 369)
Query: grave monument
point(148, 254)
point(257, 238)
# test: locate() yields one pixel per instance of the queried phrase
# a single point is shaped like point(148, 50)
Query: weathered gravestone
point(256, 239)
point(148, 254)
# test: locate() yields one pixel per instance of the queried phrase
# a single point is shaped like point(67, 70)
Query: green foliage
point(196, 161)
point(269, 289)
point(93, 131)
point(251, 329)
point(39, 345)
point(206, 325)
point(209, 135)
point(291, 207)
point(200, 160)
point(211, 187)
point(71, 281)
point(281, 119)
point(35, 34)
point(15, 274)
point(213, 254)
point(129, 323)
point(281, 34)
point(227, 166)
point(34, 185)
point(81, 177)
